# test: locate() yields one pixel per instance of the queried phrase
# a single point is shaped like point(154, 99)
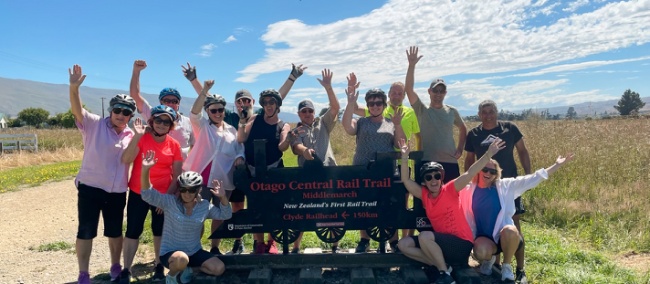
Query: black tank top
point(263, 130)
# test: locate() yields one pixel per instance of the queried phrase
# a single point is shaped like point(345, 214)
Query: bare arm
point(131, 151)
point(134, 89)
point(245, 130)
point(470, 158)
point(148, 161)
point(284, 140)
point(360, 111)
point(326, 82)
point(559, 163)
point(410, 185)
point(76, 79)
point(296, 72)
point(203, 94)
point(524, 158)
point(413, 58)
point(467, 176)
point(349, 125)
point(189, 72)
point(177, 169)
point(462, 137)
point(398, 135)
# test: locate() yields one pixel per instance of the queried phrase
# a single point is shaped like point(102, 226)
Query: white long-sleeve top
point(216, 146)
point(508, 189)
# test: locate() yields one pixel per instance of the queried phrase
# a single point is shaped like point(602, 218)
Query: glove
point(296, 72)
point(190, 73)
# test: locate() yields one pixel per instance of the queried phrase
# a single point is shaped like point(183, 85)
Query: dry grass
point(55, 145)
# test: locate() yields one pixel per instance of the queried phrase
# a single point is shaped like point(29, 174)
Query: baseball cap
point(243, 94)
point(305, 104)
point(437, 82)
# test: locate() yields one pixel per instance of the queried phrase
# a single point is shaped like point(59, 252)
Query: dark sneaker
point(115, 272)
point(393, 247)
point(84, 278)
point(237, 247)
point(335, 249)
point(385, 250)
point(159, 273)
point(271, 248)
point(215, 251)
point(362, 246)
point(521, 277)
point(295, 250)
point(125, 276)
point(445, 278)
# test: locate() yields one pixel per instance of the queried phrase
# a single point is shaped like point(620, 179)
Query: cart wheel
point(330, 235)
point(381, 234)
point(292, 235)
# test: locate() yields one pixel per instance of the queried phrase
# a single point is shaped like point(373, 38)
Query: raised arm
point(190, 73)
point(148, 160)
point(76, 79)
point(326, 82)
point(349, 125)
point(285, 142)
point(398, 135)
point(410, 185)
point(203, 94)
point(413, 58)
point(524, 158)
point(296, 72)
point(131, 151)
point(559, 162)
point(134, 88)
point(467, 176)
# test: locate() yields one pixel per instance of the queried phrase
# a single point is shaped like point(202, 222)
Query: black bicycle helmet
point(431, 167)
point(162, 110)
point(123, 100)
point(213, 99)
point(376, 93)
point(190, 179)
point(273, 94)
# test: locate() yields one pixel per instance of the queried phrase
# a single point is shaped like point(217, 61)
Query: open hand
point(296, 71)
point(561, 160)
point(216, 189)
point(327, 78)
point(396, 117)
point(149, 159)
point(76, 76)
point(412, 55)
point(496, 146)
point(139, 127)
point(189, 72)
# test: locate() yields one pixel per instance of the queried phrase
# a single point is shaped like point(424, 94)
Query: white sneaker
point(506, 272)
point(486, 266)
point(186, 275)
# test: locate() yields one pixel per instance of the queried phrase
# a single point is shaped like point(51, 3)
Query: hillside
point(17, 95)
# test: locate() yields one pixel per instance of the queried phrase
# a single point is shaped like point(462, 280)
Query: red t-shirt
point(160, 175)
point(445, 213)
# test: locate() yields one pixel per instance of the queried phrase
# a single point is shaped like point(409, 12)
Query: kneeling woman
point(488, 203)
point(181, 239)
point(452, 239)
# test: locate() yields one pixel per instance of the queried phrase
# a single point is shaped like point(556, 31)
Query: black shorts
point(519, 207)
point(454, 249)
point(196, 259)
point(136, 213)
point(521, 244)
point(452, 171)
point(90, 202)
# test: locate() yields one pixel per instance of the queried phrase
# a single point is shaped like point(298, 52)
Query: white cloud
point(460, 37)
point(231, 38)
point(573, 6)
point(207, 49)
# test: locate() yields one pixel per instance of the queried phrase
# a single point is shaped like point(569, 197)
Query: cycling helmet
point(376, 93)
point(431, 167)
point(164, 110)
point(169, 92)
point(190, 179)
point(273, 94)
point(213, 99)
point(124, 101)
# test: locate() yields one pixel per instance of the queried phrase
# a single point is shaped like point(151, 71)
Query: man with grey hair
point(478, 141)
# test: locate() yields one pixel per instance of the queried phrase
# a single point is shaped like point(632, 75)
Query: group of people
point(182, 171)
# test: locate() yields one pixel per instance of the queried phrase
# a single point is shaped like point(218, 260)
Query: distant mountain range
point(16, 95)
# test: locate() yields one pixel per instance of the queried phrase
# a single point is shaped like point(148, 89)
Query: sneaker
point(159, 273)
point(237, 247)
point(115, 272)
point(445, 278)
point(394, 248)
point(486, 266)
point(362, 246)
point(215, 251)
point(295, 250)
point(506, 272)
point(125, 276)
point(84, 278)
point(171, 279)
point(260, 248)
point(271, 248)
point(521, 277)
point(186, 275)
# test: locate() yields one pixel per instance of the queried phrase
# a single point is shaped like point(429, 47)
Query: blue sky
point(522, 54)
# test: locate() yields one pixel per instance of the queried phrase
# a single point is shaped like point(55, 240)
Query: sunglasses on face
point(372, 104)
point(217, 110)
point(170, 101)
point(488, 170)
point(191, 190)
point(165, 122)
point(268, 103)
point(123, 111)
point(244, 101)
point(429, 177)
point(438, 91)
point(307, 110)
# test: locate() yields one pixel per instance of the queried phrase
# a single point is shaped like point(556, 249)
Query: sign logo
point(231, 227)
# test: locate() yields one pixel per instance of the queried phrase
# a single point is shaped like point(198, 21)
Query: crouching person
point(181, 248)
